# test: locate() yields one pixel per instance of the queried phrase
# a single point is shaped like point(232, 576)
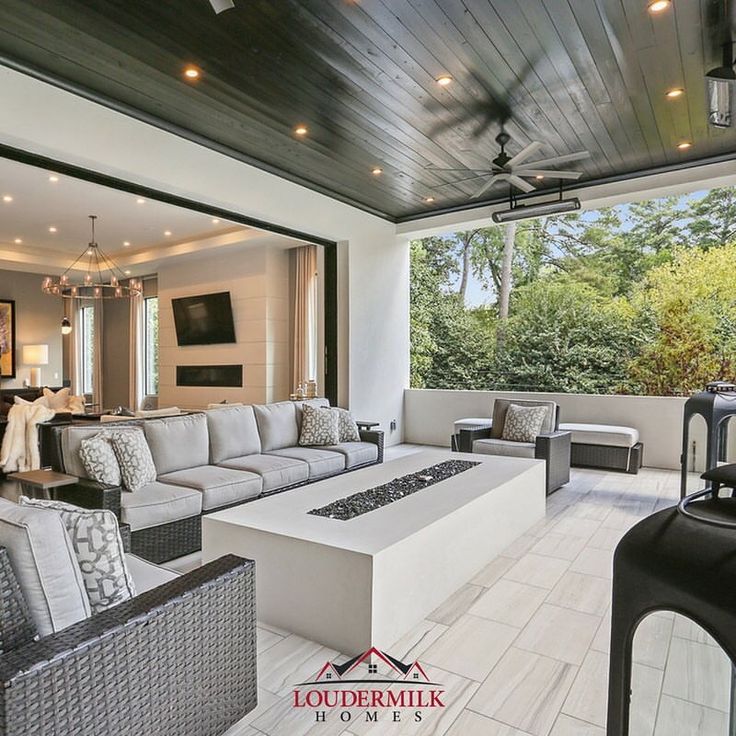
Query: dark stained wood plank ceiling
point(361, 75)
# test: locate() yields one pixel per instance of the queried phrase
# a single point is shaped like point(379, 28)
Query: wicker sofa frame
point(177, 538)
point(607, 457)
point(178, 660)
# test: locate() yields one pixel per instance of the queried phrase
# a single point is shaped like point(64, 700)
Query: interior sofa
point(205, 462)
point(179, 657)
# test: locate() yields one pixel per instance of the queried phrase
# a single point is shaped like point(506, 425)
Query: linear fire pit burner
point(361, 503)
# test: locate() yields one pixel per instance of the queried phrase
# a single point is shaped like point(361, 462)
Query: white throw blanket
point(20, 451)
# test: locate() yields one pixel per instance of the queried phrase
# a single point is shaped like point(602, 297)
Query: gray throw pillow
point(99, 459)
point(99, 550)
point(346, 426)
point(523, 423)
point(319, 426)
point(134, 458)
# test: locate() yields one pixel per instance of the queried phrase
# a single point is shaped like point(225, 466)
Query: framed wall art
point(7, 338)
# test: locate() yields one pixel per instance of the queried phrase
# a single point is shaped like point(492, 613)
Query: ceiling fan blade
point(524, 154)
point(549, 173)
point(555, 160)
point(491, 181)
point(519, 183)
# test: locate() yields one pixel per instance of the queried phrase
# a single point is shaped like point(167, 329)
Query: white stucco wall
point(43, 119)
point(430, 415)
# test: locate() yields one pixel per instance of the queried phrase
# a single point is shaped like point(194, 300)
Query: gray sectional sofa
point(205, 462)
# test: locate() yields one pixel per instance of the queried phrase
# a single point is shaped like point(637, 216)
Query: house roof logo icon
point(354, 669)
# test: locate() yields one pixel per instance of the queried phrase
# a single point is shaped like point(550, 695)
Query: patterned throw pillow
point(319, 426)
point(99, 550)
point(346, 426)
point(523, 423)
point(134, 458)
point(99, 459)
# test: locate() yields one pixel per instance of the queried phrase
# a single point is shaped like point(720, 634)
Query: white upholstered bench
point(605, 446)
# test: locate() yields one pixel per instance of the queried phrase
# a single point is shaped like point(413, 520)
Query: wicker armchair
point(178, 660)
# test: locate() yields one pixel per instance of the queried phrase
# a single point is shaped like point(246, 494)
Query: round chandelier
point(103, 278)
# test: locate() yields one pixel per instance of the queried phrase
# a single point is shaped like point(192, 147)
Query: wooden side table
point(40, 483)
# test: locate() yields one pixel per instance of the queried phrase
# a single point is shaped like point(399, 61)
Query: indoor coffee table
point(366, 581)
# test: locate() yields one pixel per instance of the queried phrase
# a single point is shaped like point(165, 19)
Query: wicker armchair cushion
point(178, 442)
point(506, 448)
point(45, 566)
point(500, 407)
point(233, 432)
point(277, 425)
point(99, 551)
point(147, 575)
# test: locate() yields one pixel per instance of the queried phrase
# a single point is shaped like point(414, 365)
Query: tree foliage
point(634, 298)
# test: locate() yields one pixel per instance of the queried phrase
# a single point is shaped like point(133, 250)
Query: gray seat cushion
point(277, 472)
point(159, 503)
point(45, 564)
point(218, 486)
point(233, 432)
point(178, 442)
point(504, 447)
point(356, 453)
point(500, 407)
point(321, 461)
point(601, 434)
point(277, 425)
point(146, 575)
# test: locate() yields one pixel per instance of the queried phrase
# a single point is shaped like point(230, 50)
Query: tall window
point(87, 337)
point(150, 343)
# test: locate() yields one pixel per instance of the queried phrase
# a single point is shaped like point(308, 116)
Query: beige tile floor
point(522, 649)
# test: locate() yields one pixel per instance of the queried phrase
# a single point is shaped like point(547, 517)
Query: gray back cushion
point(500, 407)
point(178, 443)
point(71, 441)
point(45, 565)
point(233, 433)
point(277, 425)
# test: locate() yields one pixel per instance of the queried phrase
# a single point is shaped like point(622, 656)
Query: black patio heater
point(716, 404)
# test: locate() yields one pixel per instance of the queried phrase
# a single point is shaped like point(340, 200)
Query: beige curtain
point(72, 346)
point(97, 362)
point(136, 369)
point(304, 367)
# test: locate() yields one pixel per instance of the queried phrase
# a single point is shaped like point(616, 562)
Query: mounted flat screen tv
point(204, 320)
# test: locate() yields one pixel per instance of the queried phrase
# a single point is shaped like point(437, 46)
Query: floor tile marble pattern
point(523, 647)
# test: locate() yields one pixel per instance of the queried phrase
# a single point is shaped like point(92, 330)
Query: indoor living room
point(268, 474)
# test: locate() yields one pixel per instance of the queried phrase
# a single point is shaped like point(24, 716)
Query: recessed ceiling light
point(53, 177)
point(127, 273)
point(684, 145)
point(657, 6)
point(301, 130)
point(167, 233)
point(52, 229)
point(140, 200)
point(192, 72)
point(674, 93)
point(539, 176)
point(376, 171)
point(126, 243)
point(444, 79)
point(17, 241)
point(429, 200)
point(7, 198)
point(215, 221)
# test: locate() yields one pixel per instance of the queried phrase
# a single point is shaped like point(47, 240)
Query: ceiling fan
point(517, 169)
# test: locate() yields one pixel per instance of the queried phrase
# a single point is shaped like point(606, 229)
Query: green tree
point(449, 347)
point(563, 336)
point(714, 218)
point(692, 302)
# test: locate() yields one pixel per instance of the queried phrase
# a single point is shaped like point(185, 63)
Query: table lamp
point(36, 355)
